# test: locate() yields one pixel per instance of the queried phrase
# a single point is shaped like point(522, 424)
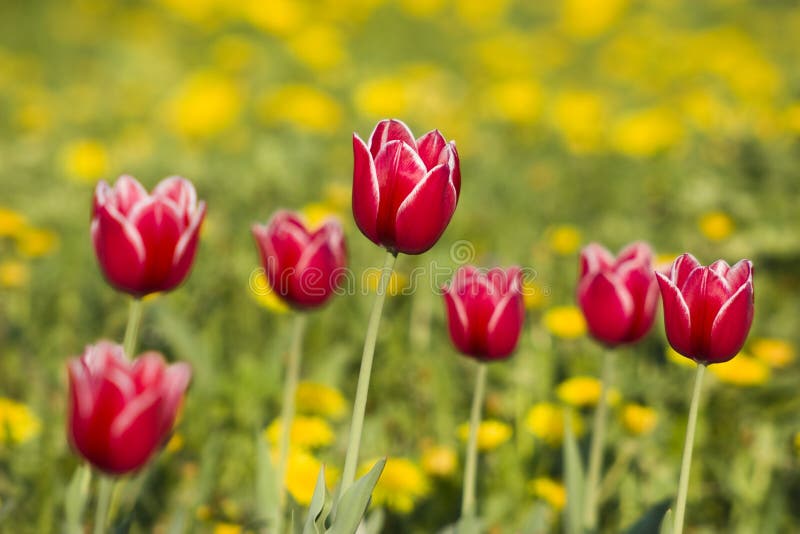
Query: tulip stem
point(598, 439)
point(104, 488)
point(287, 412)
point(470, 467)
point(362, 389)
point(688, 445)
point(132, 330)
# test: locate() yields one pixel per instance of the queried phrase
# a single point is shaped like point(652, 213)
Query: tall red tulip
point(303, 266)
point(146, 242)
point(485, 311)
point(707, 310)
point(619, 295)
point(121, 412)
point(404, 190)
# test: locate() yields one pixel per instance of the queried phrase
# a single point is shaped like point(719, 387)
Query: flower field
point(673, 126)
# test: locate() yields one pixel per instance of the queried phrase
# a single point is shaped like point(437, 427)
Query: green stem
point(132, 330)
point(287, 412)
point(104, 489)
point(688, 445)
point(596, 450)
point(360, 403)
point(471, 466)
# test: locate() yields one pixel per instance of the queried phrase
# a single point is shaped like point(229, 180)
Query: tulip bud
point(618, 296)
point(485, 311)
point(303, 266)
point(404, 190)
point(121, 412)
point(707, 310)
point(146, 242)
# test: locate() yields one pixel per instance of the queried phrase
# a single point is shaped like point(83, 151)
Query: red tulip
point(404, 190)
point(303, 266)
point(707, 310)
point(146, 242)
point(121, 412)
point(618, 296)
point(485, 311)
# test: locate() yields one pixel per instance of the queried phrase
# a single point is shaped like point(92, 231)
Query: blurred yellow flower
point(580, 117)
point(337, 196)
point(478, 14)
point(564, 239)
point(582, 391)
point(227, 528)
point(664, 260)
point(263, 293)
point(590, 18)
point(545, 420)
point(281, 17)
point(705, 110)
point(647, 132)
point(742, 370)
point(382, 97)
point(565, 322)
point(35, 242)
point(439, 460)
point(34, 117)
point(774, 352)
point(397, 282)
point(205, 104)
point(315, 214)
point(551, 491)
point(11, 222)
point(18, 424)
point(517, 101)
point(303, 106)
point(401, 485)
point(533, 295)
point(319, 399)
point(13, 273)
point(232, 53)
point(677, 358)
point(716, 225)
point(792, 118)
point(638, 419)
point(85, 160)
point(422, 8)
point(205, 12)
point(302, 471)
point(491, 434)
point(320, 47)
point(175, 443)
point(308, 432)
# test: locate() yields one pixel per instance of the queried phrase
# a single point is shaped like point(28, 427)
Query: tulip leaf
point(374, 523)
point(573, 512)
point(353, 503)
point(538, 520)
point(266, 484)
point(650, 522)
point(77, 495)
point(666, 523)
point(313, 523)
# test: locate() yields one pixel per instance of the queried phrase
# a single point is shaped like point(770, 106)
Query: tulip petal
point(181, 192)
point(637, 252)
point(390, 130)
point(176, 379)
point(457, 320)
point(127, 193)
point(607, 305)
point(186, 249)
point(595, 257)
point(731, 325)
point(119, 248)
point(430, 147)
point(504, 327)
point(643, 288)
point(160, 226)
point(365, 190)
point(704, 293)
point(682, 268)
point(134, 434)
point(148, 370)
point(425, 212)
point(739, 274)
point(455, 167)
point(677, 319)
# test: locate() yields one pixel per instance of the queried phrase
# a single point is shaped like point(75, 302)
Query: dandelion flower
point(18, 424)
point(742, 370)
point(565, 322)
point(313, 398)
point(439, 461)
point(551, 491)
point(400, 486)
point(308, 432)
point(639, 420)
point(583, 391)
point(546, 421)
point(491, 434)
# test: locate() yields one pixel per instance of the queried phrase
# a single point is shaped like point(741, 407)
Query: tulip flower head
point(146, 243)
point(122, 412)
point(404, 190)
point(303, 266)
point(618, 296)
point(485, 311)
point(707, 310)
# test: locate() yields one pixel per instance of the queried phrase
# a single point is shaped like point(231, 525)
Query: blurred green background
point(673, 121)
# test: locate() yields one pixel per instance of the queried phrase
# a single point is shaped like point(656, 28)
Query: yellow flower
point(206, 104)
point(647, 132)
point(564, 239)
point(546, 421)
point(679, 359)
point(308, 432)
point(263, 293)
point(792, 118)
point(397, 282)
point(565, 322)
point(13, 273)
point(175, 443)
point(638, 419)
point(34, 243)
point(11, 222)
point(85, 160)
point(742, 370)
point(337, 196)
point(491, 434)
point(401, 485)
point(302, 471)
point(774, 352)
point(318, 399)
point(281, 17)
point(580, 117)
point(233, 53)
point(533, 295)
point(716, 225)
point(589, 18)
point(478, 14)
point(422, 8)
point(439, 461)
point(315, 214)
point(303, 106)
point(227, 528)
point(321, 47)
point(383, 97)
point(664, 260)
point(581, 391)
point(18, 424)
point(551, 491)
point(517, 101)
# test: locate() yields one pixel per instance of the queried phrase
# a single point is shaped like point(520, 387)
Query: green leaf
point(77, 495)
point(353, 504)
point(468, 525)
point(317, 504)
point(666, 523)
point(538, 520)
point(573, 513)
point(374, 523)
point(650, 522)
point(267, 500)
